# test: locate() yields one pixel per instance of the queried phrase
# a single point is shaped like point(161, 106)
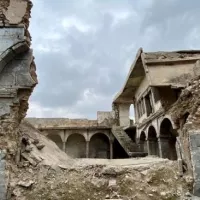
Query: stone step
point(125, 141)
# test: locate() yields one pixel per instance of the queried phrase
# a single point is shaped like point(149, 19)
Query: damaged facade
point(153, 85)
point(79, 138)
point(17, 80)
point(164, 88)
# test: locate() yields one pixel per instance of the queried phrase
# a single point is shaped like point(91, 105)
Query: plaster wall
point(163, 74)
point(143, 117)
point(157, 106)
point(141, 89)
point(124, 114)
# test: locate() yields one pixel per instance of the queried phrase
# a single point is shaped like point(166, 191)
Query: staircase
point(125, 141)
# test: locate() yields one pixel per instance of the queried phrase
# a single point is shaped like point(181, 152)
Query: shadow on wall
point(76, 146)
point(168, 136)
point(56, 138)
point(99, 146)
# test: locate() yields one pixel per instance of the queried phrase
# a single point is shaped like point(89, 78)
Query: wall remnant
point(195, 159)
point(17, 80)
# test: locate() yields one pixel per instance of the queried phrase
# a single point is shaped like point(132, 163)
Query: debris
point(40, 146)
point(26, 184)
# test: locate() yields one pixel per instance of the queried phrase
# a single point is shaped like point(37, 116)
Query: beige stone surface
point(16, 11)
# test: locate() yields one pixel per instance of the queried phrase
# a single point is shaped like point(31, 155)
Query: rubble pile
point(33, 167)
point(45, 172)
point(186, 114)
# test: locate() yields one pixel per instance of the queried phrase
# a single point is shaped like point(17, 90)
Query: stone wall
point(186, 115)
point(17, 80)
point(105, 118)
point(3, 186)
point(194, 138)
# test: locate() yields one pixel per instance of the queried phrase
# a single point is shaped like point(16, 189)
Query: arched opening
point(131, 114)
point(76, 146)
point(99, 146)
point(152, 142)
point(168, 140)
point(118, 150)
point(143, 142)
point(57, 139)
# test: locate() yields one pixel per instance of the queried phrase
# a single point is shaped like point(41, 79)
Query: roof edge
point(138, 55)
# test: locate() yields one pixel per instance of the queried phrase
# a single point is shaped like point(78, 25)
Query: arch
point(131, 112)
point(76, 146)
point(94, 133)
point(99, 146)
point(168, 139)
point(72, 133)
point(57, 139)
point(168, 117)
point(152, 132)
point(142, 136)
point(143, 142)
point(152, 141)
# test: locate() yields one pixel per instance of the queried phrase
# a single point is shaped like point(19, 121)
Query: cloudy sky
point(84, 48)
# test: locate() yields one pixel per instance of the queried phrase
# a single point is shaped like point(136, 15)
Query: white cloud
point(84, 50)
point(36, 110)
point(72, 21)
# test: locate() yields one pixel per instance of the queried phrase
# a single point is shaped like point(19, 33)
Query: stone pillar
point(3, 181)
point(194, 144)
point(63, 146)
point(111, 149)
point(87, 148)
point(145, 146)
point(164, 150)
point(148, 148)
point(142, 146)
point(152, 147)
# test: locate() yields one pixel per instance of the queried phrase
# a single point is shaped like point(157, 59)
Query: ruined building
point(164, 88)
point(153, 85)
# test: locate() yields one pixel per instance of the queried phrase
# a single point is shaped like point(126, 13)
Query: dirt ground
point(49, 174)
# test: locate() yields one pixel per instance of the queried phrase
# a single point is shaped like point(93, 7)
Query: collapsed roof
point(145, 61)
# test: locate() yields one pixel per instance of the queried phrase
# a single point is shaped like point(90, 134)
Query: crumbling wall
point(186, 115)
point(17, 80)
point(105, 118)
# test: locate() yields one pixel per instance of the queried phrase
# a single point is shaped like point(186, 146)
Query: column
point(111, 149)
point(63, 146)
point(164, 150)
point(87, 148)
point(145, 146)
point(148, 148)
point(152, 147)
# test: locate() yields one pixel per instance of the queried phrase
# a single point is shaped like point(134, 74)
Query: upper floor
point(154, 83)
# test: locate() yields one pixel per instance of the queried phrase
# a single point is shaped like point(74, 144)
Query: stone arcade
point(153, 85)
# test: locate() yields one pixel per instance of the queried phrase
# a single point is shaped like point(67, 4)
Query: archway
point(76, 146)
point(118, 150)
point(57, 139)
point(143, 142)
point(152, 141)
point(99, 146)
point(131, 114)
point(168, 140)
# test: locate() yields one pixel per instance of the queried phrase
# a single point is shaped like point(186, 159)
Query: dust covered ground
point(156, 181)
point(46, 173)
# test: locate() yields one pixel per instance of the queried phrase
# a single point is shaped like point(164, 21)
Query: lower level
point(157, 137)
point(86, 144)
